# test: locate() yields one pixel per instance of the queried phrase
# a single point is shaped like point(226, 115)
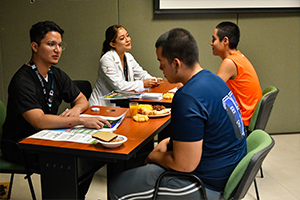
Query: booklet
point(79, 134)
point(115, 95)
point(114, 121)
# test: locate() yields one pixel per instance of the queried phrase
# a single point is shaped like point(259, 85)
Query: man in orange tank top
point(235, 69)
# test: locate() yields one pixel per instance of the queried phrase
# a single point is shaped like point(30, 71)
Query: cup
point(133, 108)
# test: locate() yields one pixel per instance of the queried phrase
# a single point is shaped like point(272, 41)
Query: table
point(64, 165)
point(164, 87)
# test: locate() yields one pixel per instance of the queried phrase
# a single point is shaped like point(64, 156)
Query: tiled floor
point(281, 170)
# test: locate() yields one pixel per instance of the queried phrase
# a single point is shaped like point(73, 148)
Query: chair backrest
point(2, 116)
point(84, 86)
point(259, 144)
point(263, 109)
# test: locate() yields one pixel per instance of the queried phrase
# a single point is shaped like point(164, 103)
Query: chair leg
point(10, 185)
point(28, 174)
point(256, 189)
point(30, 186)
point(261, 172)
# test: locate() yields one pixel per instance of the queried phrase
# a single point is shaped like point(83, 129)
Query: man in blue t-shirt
point(207, 135)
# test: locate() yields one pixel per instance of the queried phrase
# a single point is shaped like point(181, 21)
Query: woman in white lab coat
point(118, 70)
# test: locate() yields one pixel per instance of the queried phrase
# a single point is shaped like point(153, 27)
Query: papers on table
point(115, 95)
point(152, 96)
point(114, 121)
point(141, 89)
point(79, 134)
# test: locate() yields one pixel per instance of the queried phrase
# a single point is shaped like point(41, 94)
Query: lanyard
point(125, 69)
point(49, 97)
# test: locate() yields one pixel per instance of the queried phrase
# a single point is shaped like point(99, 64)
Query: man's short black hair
point(179, 43)
point(231, 31)
point(40, 29)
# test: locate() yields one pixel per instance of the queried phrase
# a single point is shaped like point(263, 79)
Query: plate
point(114, 144)
point(163, 115)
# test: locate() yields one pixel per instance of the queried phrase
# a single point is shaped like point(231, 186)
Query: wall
point(270, 41)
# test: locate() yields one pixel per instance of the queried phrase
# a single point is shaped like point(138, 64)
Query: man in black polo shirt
point(36, 91)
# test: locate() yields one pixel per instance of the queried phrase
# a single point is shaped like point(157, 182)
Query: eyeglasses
point(53, 45)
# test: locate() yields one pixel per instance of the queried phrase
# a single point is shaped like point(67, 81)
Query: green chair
point(262, 112)
point(259, 144)
point(263, 109)
point(11, 168)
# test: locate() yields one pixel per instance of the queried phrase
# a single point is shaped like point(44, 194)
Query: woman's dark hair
point(231, 31)
point(111, 34)
point(40, 29)
point(179, 43)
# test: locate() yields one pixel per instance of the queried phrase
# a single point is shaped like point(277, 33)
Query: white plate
point(114, 144)
point(163, 115)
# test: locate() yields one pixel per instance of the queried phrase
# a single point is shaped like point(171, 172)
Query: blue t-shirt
point(204, 108)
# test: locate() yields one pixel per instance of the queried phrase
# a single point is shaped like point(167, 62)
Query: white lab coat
point(111, 77)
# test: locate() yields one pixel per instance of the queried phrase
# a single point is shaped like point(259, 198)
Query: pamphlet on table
point(79, 134)
point(116, 95)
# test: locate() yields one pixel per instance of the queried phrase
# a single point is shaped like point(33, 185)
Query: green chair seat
point(8, 167)
point(12, 168)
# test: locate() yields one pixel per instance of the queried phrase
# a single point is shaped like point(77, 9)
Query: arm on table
point(39, 120)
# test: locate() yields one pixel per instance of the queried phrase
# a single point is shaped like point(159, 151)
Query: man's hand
point(94, 122)
point(74, 112)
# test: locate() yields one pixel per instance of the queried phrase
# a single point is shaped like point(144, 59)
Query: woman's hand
point(158, 81)
point(152, 82)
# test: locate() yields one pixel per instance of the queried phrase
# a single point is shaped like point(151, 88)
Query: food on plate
point(145, 106)
point(168, 95)
point(117, 140)
point(140, 118)
point(145, 111)
point(158, 107)
point(105, 136)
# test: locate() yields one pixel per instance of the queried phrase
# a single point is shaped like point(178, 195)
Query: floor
point(281, 179)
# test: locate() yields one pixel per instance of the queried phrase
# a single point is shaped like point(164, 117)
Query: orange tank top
point(245, 87)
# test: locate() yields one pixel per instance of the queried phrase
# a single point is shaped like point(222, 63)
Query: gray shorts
point(139, 183)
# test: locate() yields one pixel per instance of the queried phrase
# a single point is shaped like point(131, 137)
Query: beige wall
point(270, 41)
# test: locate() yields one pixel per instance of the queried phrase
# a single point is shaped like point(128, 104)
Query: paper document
point(152, 96)
point(79, 134)
point(114, 121)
